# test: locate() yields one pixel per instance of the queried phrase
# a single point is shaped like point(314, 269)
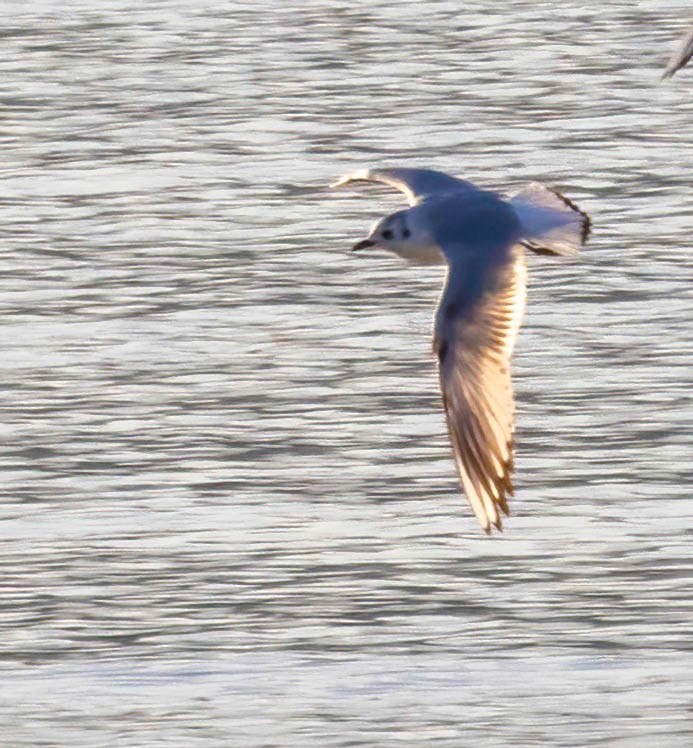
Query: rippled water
point(229, 512)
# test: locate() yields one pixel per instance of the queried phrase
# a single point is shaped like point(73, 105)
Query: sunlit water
point(229, 511)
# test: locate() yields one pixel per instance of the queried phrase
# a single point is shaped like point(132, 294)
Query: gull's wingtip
point(490, 521)
point(680, 57)
point(340, 182)
point(488, 526)
point(361, 175)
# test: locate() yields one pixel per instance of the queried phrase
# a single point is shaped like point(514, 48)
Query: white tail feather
point(551, 223)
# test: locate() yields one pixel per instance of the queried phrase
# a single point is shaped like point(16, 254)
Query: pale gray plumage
point(480, 236)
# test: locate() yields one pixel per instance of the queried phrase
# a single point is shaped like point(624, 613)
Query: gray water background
point(229, 516)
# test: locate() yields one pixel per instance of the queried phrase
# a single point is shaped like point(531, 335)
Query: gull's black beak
point(363, 244)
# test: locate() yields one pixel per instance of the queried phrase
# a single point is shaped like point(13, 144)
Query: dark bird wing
point(681, 56)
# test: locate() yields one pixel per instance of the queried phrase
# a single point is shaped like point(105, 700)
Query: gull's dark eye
point(387, 234)
point(406, 233)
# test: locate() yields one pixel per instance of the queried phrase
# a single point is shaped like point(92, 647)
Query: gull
point(481, 236)
point(681, 56)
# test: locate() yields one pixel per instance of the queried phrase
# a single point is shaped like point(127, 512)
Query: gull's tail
point(552, 224)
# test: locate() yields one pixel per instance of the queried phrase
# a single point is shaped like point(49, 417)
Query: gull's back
point(469, 223)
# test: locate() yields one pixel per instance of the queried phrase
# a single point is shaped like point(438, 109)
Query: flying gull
point(482, 237)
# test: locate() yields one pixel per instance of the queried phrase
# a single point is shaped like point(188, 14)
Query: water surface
point(229, 512)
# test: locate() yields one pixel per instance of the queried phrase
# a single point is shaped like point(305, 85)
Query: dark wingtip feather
point(586, 220)
point(585, 227)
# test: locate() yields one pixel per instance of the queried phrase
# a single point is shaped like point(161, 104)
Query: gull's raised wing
point(477, 322)
point(681, 56)
point(416, 184)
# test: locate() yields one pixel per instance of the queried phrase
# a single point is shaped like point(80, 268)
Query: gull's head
point(401, 235)
point(389, 233)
